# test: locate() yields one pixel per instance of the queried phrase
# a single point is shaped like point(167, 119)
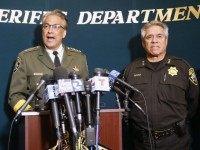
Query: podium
point(111, 128)
point(38, 129)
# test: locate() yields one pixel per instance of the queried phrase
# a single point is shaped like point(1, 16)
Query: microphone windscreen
point(112, 77)
point(113, 74)
point(99, 71)
point(88, 86)
point(74, 75)
point(60, 73)
point(47, 78)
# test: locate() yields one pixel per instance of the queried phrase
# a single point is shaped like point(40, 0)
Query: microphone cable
point(10, 133)
point(147, 117)
point(115, 74)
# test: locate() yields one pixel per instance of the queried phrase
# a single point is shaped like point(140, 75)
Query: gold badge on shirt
point(75, 69)
point(173, 71)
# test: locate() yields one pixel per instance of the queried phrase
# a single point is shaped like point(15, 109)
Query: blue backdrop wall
point(107, 31)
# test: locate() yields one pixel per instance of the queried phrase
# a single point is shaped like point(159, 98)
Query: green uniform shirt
point(33, 63)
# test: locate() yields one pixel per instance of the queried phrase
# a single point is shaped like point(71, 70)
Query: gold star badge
point(173, 71)
point(75, 69)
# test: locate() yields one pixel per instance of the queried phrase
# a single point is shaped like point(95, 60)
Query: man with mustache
point(168, 94)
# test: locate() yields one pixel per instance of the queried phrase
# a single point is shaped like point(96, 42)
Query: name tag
point(137, 75)
point(38, 74)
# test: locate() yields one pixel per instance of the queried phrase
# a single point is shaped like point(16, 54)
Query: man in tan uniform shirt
point(37, 61)
point(34, 62)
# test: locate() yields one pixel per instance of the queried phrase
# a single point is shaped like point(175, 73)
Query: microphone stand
point(126, 107)
point(127, 99)
point(90, 131)
point(78, 104)
point(71, 117)
point(97, 119)
point(98, 94)
point(28, 101)
point(55, 113)
point(100, 73)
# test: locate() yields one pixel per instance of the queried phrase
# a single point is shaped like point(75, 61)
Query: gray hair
point(154, 23)
point(58, 13)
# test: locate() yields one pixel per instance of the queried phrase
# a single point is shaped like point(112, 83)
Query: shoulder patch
point(17, 64)
point(192, 76)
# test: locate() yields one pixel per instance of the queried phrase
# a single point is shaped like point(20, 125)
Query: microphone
point(45, 78)
point(65, 87)
point(89, 131)
point(88, 104)
point(64, 83)
point(50, 92)
point(56, 119)
point(77, 82)
point(99, 82)
point(113, 77)
point(78, 87)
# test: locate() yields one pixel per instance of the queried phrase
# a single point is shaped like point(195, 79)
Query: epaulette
point(31, 49)
point(73, 49)
point(135, 61)
point(180, 59)
point(176, 58)
point(138, 59)
point(139, 62)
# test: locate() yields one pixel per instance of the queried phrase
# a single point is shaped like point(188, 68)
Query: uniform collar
point(45, 58)
point(166, 61)
point(60, 51)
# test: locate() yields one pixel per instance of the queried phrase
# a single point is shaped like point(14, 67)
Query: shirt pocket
point(141, 83)
point(173, 89)
point(33, 81)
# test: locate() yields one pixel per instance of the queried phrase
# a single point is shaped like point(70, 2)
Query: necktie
point(56, 59)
